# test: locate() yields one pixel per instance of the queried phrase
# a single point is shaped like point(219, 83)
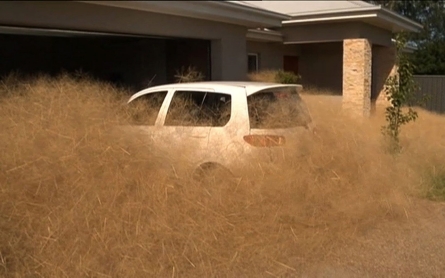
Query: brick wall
point(357, 66)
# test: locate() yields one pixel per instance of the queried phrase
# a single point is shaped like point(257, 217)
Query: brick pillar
point(357, 62)
point(383, 59)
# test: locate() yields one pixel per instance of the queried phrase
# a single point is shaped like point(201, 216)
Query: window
point(252, 62)
point(145, 109)
point(190, 108)
point(277, 108)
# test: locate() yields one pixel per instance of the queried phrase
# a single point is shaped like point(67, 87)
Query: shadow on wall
point(321, 66)
point(383, 59)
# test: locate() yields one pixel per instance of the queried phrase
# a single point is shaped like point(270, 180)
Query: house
point(343, 46)
point(129, 40)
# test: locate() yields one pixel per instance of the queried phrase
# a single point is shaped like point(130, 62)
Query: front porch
point(349, 59)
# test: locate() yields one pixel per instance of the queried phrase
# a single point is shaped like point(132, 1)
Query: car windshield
point(277, 108)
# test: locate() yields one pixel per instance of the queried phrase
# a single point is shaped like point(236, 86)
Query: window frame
point(160, 109)
point(169, 99)
point(257, 60)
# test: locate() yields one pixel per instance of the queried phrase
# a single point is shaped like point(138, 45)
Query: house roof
point(295, 8)
point(306, 12)
point(220, 11)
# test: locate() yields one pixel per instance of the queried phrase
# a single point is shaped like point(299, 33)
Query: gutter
point(35, 31)
point(407, 48)
point(317, 14)
point(327, 17)
point(264, 35)
point(376, 12)
point(391, 16)
point(219, 11)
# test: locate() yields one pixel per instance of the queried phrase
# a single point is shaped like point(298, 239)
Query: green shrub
point(436, 190)
point(286, 77)
point(399, 92)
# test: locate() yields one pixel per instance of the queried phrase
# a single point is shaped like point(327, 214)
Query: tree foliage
point(430, 56)
point(399, 91)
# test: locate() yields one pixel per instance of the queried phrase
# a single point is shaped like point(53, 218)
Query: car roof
point(250, 87)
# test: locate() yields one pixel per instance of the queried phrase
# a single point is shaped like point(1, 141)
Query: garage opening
point(125, 60)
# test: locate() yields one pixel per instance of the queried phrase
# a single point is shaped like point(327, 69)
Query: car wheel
point(212, 173)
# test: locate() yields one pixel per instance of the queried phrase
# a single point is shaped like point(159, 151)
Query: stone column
point(383, 59)
point(357, 65)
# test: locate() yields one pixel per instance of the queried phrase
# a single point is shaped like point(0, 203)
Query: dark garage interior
point(129, 61)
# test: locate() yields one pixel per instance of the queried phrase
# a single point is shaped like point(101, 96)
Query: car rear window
point(277, 108)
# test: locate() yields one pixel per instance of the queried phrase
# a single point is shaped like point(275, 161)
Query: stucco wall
point(271, 54)
point(229, 61)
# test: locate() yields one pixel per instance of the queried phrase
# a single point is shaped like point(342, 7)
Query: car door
point(226, 144)
point(184, 127)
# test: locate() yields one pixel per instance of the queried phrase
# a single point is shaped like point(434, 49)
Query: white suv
point(229, 125)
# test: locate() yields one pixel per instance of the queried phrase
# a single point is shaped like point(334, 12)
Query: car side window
point(144, 110)
point(195, 108)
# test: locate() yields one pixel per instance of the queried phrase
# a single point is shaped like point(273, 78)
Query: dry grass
point(275, 76)
point(79, 201)
point(263, 76)
point(189, 74)
point(312, 90)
